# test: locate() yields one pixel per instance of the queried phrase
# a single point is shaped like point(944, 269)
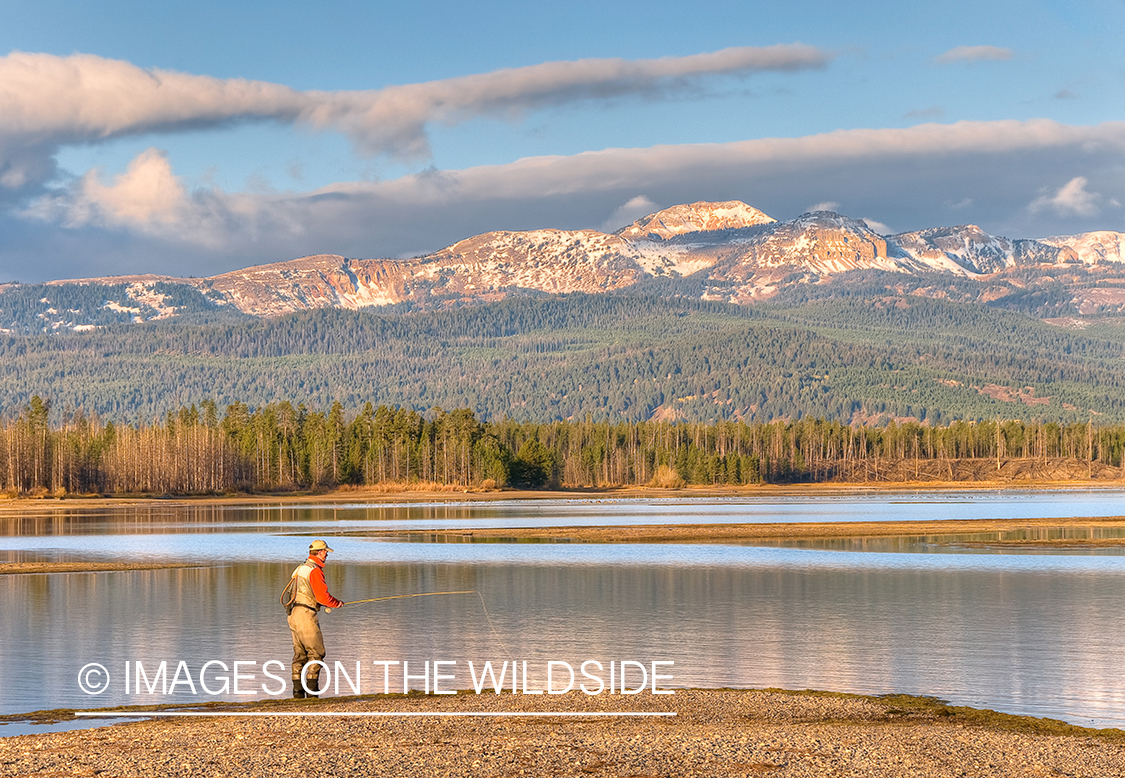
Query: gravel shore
point(715, 733)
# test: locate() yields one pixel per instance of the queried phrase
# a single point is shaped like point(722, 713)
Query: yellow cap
point(318, 545)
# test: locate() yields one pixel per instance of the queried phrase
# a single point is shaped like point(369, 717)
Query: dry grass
point(666, 478)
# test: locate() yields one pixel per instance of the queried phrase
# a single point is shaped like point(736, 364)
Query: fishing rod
point(402, 596)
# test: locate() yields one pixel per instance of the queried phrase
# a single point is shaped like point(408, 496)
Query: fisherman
point(311, 592)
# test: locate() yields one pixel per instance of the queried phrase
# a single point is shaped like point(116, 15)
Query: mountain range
point(714, 251)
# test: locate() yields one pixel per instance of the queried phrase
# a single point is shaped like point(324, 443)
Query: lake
point(1026, 631)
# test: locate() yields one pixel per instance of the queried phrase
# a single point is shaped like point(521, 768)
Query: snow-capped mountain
point(970, 251)
point(737, 253)
point(1092, 248)
point(694, 218)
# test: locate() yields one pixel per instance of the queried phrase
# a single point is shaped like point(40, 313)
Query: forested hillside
point(626, 357)
point(34, 308)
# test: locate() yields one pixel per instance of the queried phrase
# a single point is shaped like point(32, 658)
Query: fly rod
point(401, 596)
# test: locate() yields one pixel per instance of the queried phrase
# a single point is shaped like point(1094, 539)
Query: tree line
point(280, 447)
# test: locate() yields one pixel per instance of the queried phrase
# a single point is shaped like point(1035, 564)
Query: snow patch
point(146, 295)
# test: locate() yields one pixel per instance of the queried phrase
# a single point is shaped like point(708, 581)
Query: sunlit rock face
point(734, 251)
point(969, 250)
point(1092, 248)
point(695, 217)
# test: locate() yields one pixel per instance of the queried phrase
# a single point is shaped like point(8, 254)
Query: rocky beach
point(713, 733)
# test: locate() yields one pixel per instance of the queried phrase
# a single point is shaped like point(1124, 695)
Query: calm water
point(1020, 631)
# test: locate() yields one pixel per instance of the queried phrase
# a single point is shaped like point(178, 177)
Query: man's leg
point(308, 646)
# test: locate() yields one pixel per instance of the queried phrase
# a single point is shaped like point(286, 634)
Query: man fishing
point(309, 593)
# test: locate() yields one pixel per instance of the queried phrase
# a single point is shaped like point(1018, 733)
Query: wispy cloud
point(825, 205)
point(636, 208)
point(47, 101)
point(394, 118)
point(931, 113)
point(974, 54)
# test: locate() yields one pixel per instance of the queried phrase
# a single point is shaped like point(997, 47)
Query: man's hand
point(327, 610)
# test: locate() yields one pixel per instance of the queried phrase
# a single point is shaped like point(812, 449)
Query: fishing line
point(487, 616)
point(495, 634)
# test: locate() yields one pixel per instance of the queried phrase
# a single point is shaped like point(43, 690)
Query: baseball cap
point(318, 545)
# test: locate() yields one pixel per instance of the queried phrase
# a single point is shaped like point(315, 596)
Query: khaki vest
point(304, 594)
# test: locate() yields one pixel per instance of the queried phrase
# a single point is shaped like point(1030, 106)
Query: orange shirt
point(319, 586)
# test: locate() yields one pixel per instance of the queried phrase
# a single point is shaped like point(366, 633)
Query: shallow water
point(1017, 630)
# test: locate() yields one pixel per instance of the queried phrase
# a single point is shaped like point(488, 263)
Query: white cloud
point(147, 198)
point(909, 176)
point(827, 205)
point(1071, 198)
point(146, 193)
point(48, 101)
point(877, 227)
point(628, 213)
point(974, 54)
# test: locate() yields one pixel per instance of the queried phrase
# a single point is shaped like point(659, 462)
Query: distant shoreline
point(398, 493)
point(1004, 532)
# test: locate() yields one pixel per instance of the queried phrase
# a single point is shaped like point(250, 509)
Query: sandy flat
point(1075, 531)
point(31, 568)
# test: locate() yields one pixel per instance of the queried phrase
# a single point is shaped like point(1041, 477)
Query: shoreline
point(714, 732)
point(404, 493)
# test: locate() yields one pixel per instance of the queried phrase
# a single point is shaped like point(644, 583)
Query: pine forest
point(281, 448)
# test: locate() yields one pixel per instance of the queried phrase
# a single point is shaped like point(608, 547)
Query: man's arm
point(320, 589)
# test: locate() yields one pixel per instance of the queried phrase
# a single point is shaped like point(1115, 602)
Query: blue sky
point(192, 139)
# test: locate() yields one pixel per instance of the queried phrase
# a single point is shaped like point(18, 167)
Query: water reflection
point(943, 614)
point(1023, 640)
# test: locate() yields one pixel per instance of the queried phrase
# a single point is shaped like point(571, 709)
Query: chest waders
point(308, 641)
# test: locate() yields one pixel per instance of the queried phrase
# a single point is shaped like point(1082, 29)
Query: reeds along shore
point(283, 448)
